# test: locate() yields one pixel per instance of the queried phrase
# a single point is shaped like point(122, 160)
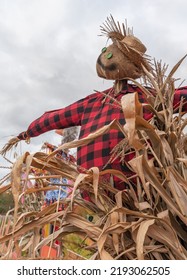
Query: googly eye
point(109, 55)
point(103, 49)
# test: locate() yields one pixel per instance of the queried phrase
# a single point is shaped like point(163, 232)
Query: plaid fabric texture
point(92, 113)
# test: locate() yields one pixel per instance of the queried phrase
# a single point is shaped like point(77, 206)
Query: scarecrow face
point(112, 64)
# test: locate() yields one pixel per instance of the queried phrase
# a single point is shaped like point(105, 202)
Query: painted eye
point(103, 49)
point(109, 55)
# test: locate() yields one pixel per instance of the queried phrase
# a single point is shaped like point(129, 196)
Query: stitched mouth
point(111, 67)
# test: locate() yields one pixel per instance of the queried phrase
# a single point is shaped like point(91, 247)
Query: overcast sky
point(48, 52)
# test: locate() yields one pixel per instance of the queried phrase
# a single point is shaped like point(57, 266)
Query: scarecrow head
point(125, 57)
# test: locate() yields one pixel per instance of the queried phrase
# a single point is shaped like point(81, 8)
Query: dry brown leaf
point(153, 179)
point(142, 231)
point(131, 109)
point(115, 237)
point(16, 181)
point(95, 175)
point(30, 225)
point(101, 242)
point(137, 165)
point(168, 237)
point(178, 188)
point(79, 179)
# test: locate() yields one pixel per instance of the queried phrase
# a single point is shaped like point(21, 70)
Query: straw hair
point(9, 145)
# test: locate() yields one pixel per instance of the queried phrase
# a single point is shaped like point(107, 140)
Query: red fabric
point(92, 113)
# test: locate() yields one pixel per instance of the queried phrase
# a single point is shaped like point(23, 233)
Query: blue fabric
point(54, 195)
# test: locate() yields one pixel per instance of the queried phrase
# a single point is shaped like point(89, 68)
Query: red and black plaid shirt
point(92, 113)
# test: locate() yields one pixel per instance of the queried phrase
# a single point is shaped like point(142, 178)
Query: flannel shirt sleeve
point(180, 93)
point(56, 119)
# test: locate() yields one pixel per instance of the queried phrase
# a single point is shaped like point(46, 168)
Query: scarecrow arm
point(180, 94)
point(56, 119)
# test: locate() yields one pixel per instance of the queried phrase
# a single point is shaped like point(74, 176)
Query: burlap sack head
point(125, 57)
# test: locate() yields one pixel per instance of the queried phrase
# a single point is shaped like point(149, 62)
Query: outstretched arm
point(62, 118)
point(56, 119)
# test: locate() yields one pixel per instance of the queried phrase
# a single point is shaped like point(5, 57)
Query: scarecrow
point(122, 61)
